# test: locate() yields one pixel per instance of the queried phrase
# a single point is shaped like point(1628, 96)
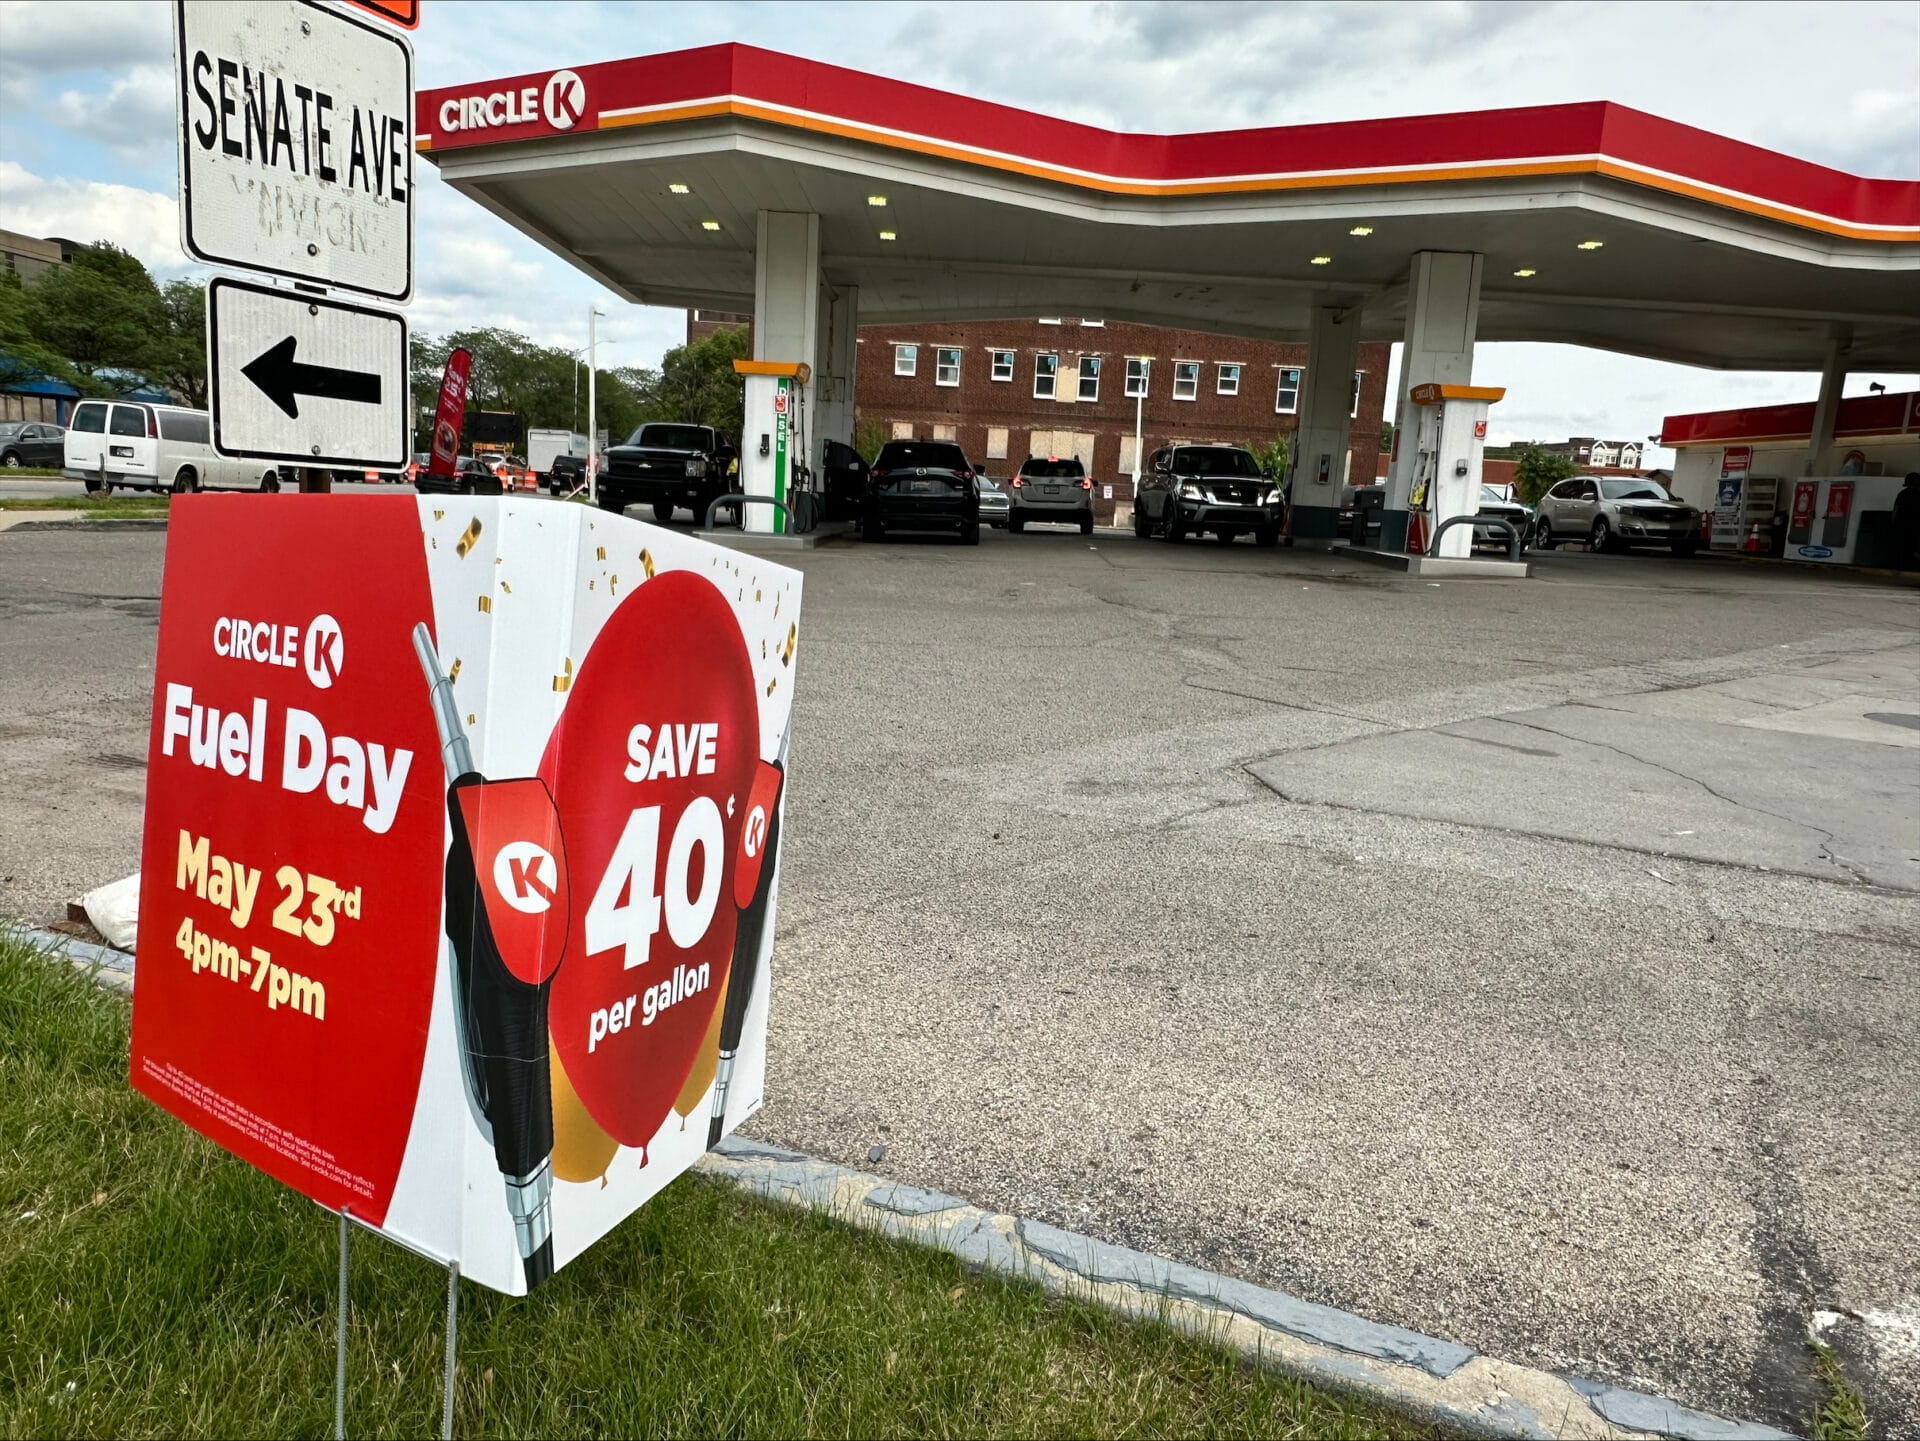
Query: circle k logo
point(525, 876)
point(325, 652)
point(565, 100)
point(756, 831)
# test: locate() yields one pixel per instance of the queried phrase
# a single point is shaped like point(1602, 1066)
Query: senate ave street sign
point(305, 380)
point(296, 143)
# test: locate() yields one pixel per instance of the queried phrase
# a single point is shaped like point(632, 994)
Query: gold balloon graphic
point(581, 1150)
point(705, 1062)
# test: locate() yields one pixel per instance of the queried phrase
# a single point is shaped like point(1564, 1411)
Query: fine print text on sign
point(296, 143)
point(461, 857)
point(306, 380)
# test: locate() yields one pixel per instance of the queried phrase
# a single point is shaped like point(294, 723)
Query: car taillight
point(1017, 483)
point(153, 427)
point(1086, 482)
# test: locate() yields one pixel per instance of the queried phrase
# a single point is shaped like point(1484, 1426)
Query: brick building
point(1007, 389)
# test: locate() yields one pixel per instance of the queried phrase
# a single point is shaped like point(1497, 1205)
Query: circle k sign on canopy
point(561, 102)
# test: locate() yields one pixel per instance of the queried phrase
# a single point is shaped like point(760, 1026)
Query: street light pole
point(1139, 406)
point(593, 428)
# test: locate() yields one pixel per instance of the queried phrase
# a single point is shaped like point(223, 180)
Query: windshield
point(920, 455)
point(1490, 496)
point(1212, 461)
point(1052, 469)
point(985, 486)
point(12, 427)
point(1632, 490)
point(672, 437)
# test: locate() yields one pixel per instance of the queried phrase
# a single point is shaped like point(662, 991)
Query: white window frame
point(1052, 377)
point(1139, 376)
point(998, 356)
point(1049, 320)
point(940, 355)
point(906, 359)
point(1192, 380)
point(1281, 372)
point(1093, 324)
point(1221, 384)
point(1082, 393)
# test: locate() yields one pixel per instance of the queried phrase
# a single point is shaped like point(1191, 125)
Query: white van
point(138, 446)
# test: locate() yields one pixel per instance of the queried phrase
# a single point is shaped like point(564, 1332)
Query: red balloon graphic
point(650, 767)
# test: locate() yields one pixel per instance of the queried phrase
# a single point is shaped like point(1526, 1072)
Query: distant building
point(1590, 454)
point(1007, 389)
point(702, 323)
point(27, 256)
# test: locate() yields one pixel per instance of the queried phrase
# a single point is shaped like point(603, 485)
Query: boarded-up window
point(903, 430)
point(944, 432)
point(996, 442)
point(1126, 455)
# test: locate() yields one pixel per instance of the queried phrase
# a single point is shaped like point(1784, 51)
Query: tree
point(697, 383)
point(868, 436)
point(177, 357)
point(101, 311)
point(23, 356)
point(1537, 470)
point(1272, 459)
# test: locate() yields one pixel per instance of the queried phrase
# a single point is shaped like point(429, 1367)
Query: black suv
point(471, 476)
point(1193, 488)
point(667, 465)
point(921, 485)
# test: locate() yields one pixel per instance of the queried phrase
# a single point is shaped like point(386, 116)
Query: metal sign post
point(347, 1221)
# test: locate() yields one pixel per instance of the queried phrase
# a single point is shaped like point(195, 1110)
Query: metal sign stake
point(453, 1322)
point(340, 1339)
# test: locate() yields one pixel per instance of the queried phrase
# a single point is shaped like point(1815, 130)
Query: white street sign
point(296, 143)
point(306, 380)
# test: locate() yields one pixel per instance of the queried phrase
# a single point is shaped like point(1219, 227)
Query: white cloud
point(50, 39)
point(134, 119)
point(144, 223)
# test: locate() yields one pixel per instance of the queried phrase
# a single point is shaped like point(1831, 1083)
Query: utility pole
point(593, 427)
point(1139, 406)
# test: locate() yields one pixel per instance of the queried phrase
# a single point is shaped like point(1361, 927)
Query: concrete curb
point(62, 520)
point(1429, 1379)
point(112, 968)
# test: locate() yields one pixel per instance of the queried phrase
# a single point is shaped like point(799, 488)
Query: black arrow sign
point(281, 378)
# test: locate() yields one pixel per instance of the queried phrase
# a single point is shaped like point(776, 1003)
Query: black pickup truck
point(667, 465)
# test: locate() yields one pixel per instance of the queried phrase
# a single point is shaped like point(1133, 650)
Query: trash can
point(1369, 504)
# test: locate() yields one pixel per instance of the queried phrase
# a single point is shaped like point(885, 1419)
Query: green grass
point(1843, 1415)
point(26, 472)
point(151, 1285)
point(95, 507)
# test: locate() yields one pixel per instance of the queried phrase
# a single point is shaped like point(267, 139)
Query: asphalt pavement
point(1534, 964)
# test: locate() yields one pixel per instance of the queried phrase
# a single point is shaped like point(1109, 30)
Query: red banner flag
point(452, 410)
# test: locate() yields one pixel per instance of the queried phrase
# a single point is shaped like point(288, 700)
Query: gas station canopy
point(1600, 225)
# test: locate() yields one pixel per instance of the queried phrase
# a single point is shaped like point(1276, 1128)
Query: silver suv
point(1051, 488)
point(1615, 512)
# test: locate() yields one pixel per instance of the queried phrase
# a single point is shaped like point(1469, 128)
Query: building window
point(906, 359)
point(903, 430)
point(1139, 372)
point(1089, 377)
point(1002, 364)
point(1126, 455)
point(1093, 324)
point(1228, 382)
point(996, 442)
point(1354, 412)
point(946, 367)
point(1049, 320)
point(1046, 370)
point(1286, 398)
point(1186, 379)
point(945, 432)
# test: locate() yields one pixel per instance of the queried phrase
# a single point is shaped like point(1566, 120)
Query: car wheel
point(94, 485)
point(1142, 527)
point(270, 482)
point(11, 460)
point(663, 511)
point(1685, 548)
point(1602, 536)
point(612, 503)
point(1086, 525)
point(872, 530)
point(1267, 536)
point(1543, 536)
point(1016, 527)
point(1174, 530)
point(186, 482)
point(969, 533)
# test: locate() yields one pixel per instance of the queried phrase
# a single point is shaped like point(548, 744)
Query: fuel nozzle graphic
point(754, 871)
point(507, 917)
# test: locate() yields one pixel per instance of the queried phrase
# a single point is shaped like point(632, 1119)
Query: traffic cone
point(1754, 543)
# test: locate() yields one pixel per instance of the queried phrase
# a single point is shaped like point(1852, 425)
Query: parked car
point(1188, 489)
point(141, 446)
point(668, 466)
point(32, 442)
point(994, 505)
point(566, 472)
point(921, 485)
point(1052, 489)
point(1613, 512)
point(471, 476)
point(846, 481)
point(1496, 506)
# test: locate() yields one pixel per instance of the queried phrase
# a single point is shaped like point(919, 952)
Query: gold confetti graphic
point(454, 672)
point(469, 717)
point(505, 587)
point(486, 604)
point(564, 680)
point(599, 552)
point(439, 515)
point(793, 633)
point(468, 538)
point(646, 562)
point(613, 585)
point(756, 596)
point(771, 684)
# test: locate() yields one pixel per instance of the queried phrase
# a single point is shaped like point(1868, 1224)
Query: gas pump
point(1451, 435)
point(773, 445)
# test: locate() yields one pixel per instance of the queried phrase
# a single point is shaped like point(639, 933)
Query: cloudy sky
point(87, 128)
